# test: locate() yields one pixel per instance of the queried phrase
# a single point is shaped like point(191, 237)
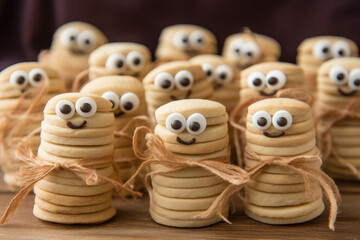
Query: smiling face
point(242, 50)
point(265, 79)
point(181, 42)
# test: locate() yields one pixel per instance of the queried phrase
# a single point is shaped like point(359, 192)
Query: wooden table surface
point(133, 222)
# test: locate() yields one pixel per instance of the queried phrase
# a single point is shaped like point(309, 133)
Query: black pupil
point(257, 82)
point(357, 82)
point(128, 105)
point(87, 41)
point(325, 50)
point(281, 121)
point(341, 52)
point(208, 73)
point(340, 76)
point(184, 40)
point(194, 126)
point(261, 121)
point(250, 54)
point(37, 77)
point(222, 76)
point(199, 40)
point(137, 61)
point(72, 38)
point(20, 80)
point(185, 81)
point(273, 81)
point(113, 103)
point(119, 64)
point(237, 50)
point(176, 124)
point(65, 109)
point(166, 84)
point(85, 107)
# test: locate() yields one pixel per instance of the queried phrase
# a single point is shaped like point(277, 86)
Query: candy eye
point(224, 74)
point(129, 102)
point(181, 40)
point(69, 36)
point(208, 70)
point(113, 98)
point(197, 40)
point(37, 77)
point(135, 60)
point(115, 61)
point(250, 50)
point(196, 124)
point(175, 123)
point(257, 81)
point(261, 120)
point(86, 40)
point(65, 109)
point(322, 49)
point(354, 81)
point(18, 79)
point(282, 120)
point(236, 47)
point(341, 49)
point(184, 80)
point(275, 79)
point(339, 75)
point(85, 107)
point(164, 81)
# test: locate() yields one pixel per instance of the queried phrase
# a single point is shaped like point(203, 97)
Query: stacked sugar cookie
point(174, 81)
point(76, 126)
point(127, 96)
point(276, 195)
point(20, 85)
point(191, 129)
point(338, 86)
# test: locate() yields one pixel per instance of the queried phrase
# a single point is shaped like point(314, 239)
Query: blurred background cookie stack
point(191, 129)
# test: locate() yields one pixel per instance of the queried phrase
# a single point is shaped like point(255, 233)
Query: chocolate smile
point(179, 140)
point(71, 125)
point(217, 86)
point(77, 52)
point(346, 94)
point(262, 93)
point(119, 114)
point(186, 97)
point(273, 136)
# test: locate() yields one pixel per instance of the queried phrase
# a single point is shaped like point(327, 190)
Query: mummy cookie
point(181, 42)
point(175, 81)
point(246, 49)
point(69, 52)
point(312, 52)
point(127, 97)
point(281, 127)
point(189, 128)
point(23, 86)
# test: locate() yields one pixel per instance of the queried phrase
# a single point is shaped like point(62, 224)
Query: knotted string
point(81, 79)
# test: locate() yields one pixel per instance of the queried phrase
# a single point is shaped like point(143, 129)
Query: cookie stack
point(76, 127)
point(276, 195)
point(339, 86)
point(23, 80)
point(175, 81)
point(191, 129)
point(127, 96)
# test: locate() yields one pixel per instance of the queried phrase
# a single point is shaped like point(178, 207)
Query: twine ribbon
point(81, 79)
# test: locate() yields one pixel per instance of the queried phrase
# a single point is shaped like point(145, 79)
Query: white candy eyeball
point(181, 40)
point(341, 49)
point(37, 77)
point(275, 79)
point(86, 40)
point(135, 60)
point(129, 102)
point(224, 74)
point(197, 40)
point(209, 71)
point(354, 81)
point(196, 124)
point(251, 50)
point(69, 36)
point(164, 81)
point(257, 81)
point(113, 98)
point(86, 107)
point(18, 79)
point(236, 47)
point(65, 109)
point(184, 80)
point(261, 120)
point(115, 61)
point(282, 120)
point(175, 123)
point(322, 49)
point(339, 75)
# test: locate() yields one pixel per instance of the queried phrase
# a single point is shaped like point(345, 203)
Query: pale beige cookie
point(96, 141)
point(84, 133)
point(272, 178)
point(189, 172)
point(277, 188)
point(350, 141)
point(190, 182)
point(349, 151)
point(98, 120)
point(121, 142)
point(56, 177)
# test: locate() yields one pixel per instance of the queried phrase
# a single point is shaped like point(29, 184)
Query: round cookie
point(188, 182)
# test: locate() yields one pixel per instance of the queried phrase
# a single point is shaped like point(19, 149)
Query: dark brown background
point(26, 26)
